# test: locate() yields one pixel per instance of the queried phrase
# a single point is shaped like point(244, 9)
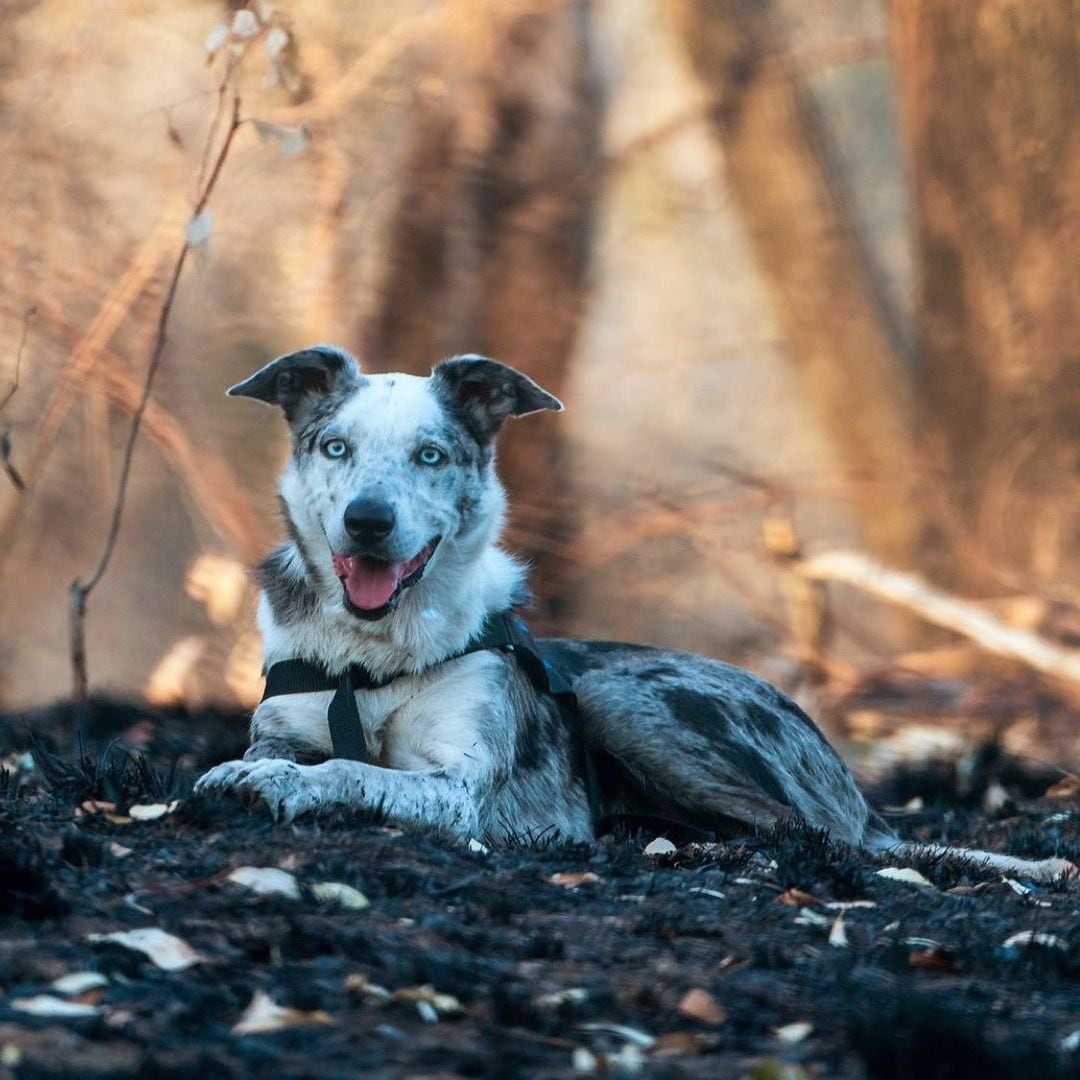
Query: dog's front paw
point(285, 787)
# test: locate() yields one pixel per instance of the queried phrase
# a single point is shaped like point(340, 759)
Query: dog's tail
point(881, 841)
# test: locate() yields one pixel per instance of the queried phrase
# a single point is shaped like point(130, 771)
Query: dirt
point(693, 963)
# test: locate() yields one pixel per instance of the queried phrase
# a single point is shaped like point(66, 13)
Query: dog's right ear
point(299, 377)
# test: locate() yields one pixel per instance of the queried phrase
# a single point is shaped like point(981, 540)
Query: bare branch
point(81, 589)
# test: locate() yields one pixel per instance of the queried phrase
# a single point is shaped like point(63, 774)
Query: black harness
point(503, 632)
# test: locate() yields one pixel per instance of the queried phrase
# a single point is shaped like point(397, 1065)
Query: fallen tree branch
point(932, 604)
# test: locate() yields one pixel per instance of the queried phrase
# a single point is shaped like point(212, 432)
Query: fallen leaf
point(266, 881)
point(676, 1044)
point(700, 1005)
point(480, 849)
point(358, 984)
point(47, 1005)
point(838, 934)
point(627, 1034)
point(932, 959)
point(344, 896)
point(572, 995)
point(152, 811)
point(660, 846)
point(166, 951)
point(430, 1004)
point(1035, 937)
point(575, 879)
point(1066, 788)
point(263, 1015)
point(905, 874)
point(794, 1032)
point(97, 806)
point(79, 982)
point(796, 898)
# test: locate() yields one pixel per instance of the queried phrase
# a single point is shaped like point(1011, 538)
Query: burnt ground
point(539, 979)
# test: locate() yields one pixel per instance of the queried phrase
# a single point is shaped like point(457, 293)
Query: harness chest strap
point(504, 632)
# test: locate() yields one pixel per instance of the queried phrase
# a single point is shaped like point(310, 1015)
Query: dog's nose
point(368, 519)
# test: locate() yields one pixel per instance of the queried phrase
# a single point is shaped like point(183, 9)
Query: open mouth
point(373, 587)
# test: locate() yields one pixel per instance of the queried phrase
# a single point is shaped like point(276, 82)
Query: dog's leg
point(293, 728)
point(438, 798)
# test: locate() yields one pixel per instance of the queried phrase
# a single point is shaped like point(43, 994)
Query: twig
point(965, 617)
point(81, 589)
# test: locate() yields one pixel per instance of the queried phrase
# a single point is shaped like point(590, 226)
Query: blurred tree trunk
point(839, 335)
point(989, 92)
point(489, 241)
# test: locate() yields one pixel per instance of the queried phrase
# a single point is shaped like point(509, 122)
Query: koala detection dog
point(400, 682)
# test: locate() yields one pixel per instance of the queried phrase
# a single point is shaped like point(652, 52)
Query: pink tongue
point(369, 584)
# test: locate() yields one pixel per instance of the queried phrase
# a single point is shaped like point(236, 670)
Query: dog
point(392, 568)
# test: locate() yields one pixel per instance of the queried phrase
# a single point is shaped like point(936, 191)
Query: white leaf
point(78, 982)
point(906, 873)
point(245, 24)
point(1035, 937)
point(275, 41)
point(263, 1016)
point(47, 1005)
point(660, 846)
point(480, 849)
point(572, 995)
point(166, 951)
point(152, 811)
point(628, 1034)
point(837, 934)
point(216, 38)
point(793, 1033)
point(266, 881)
point(200, 227)
point(584, 1061)
point(336, 892)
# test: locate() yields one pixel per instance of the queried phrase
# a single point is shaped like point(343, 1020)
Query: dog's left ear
point(487, 393)
point(297, 378)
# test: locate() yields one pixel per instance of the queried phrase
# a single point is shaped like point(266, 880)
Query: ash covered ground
point(780, 958)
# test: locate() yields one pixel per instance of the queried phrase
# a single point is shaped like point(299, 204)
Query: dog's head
point(390, 473)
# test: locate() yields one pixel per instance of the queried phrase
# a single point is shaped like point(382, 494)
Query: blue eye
point(431, 455)
point(335, 448)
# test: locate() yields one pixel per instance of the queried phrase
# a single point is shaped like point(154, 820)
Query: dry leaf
point(574, 880)
point(78, 982)
point(336, 892)
point(700, 1005)
point(266, 881)
point(166, 951)
point(796, 898)
point(838, 934)
point(430, 1004)
point(906, 874)
point(1066, 788)
point(572, 995)
point(263, 1016)
point(627, 1034)
point(793, 1033)
point(47, 1005)
point(931, 959)
point(358, 984)
point(676, 1044)
point(1035, 937)
point(660, 846)
point(152, 811)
